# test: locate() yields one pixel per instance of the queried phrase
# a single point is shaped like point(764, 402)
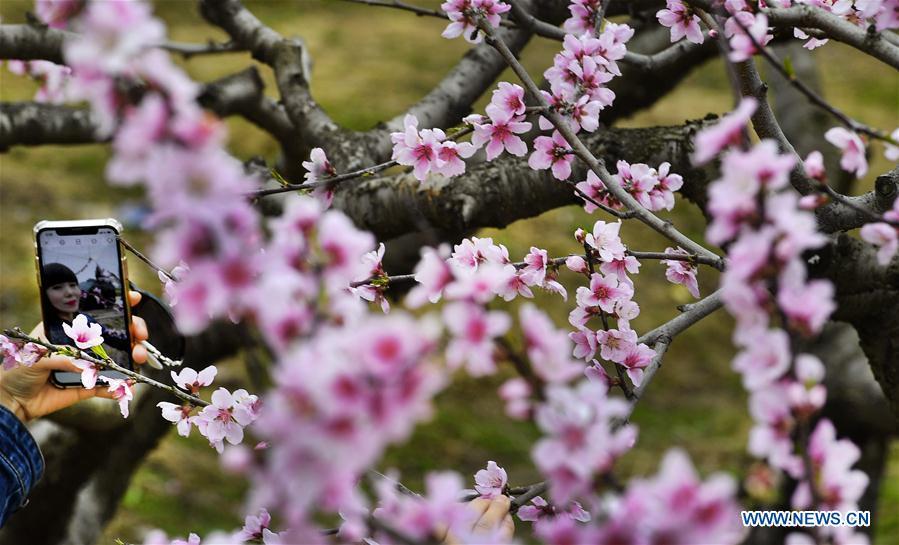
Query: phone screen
point(81, 273)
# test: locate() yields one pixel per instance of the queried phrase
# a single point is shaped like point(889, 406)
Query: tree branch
point(506, 189)
point(36, 124)
point(32, 42)
point(580, 150)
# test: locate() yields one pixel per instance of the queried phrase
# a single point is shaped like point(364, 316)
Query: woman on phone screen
point(61, 301)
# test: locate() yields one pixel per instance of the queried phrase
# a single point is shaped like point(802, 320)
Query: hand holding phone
point(28, 391)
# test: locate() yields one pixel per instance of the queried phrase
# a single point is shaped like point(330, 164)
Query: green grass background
point(369, 65)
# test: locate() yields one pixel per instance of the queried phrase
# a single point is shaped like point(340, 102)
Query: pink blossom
point(507, 101)
point(554, 153)
point(596, 374)
point(500, 134)
point(742, 45)
point(85, 335)
point(681, 272)
point(891, 150)
point(548, 348)
point(807, 304)
point(190, 380)
point(709, 142)
point(223, 419)
point(472, 252)
point(481, 285)
point(838, 486)
point(682, 22)
point(9, 351)
point(370, 291)
point(538, 509)
point(254, 526)
point(318, 168)
point(30, 354)
point(89, 372)
point(576, 263)
point(604, 292)
point(463, 15)
point(637, 358)
point(56, 13)
point(534, 272)
point(177, 414)
point(620, 267)
point(515, 393)
point(765, 359)
point(579, 440)
point(121, 391)
point(605, 240)
point(662, 196)
point(885, 237)
point(584, 343)
point(102, 42)
point(418, 149)
point(853, 148)
point(450, 157)
point(770, 437)
point(514, 286)
point(596, 190)
point(583, 16)
point(343, 246)
point(490, 482)
point(677, 507)
point(814, 166)
point(639, 180)
point(616, 344)
point(432, 273)
point(474, 331)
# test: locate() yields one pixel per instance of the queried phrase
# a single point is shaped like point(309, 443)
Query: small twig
point(160, 356)
point(809, 93)
point(144, 258)
point(522, 366)
point(532, 492)
point(417, 10)
point(334, 180)
point(188, 50)
point(105, 364)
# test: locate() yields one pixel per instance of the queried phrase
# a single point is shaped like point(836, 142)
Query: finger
point(494, 515)
point(134, 297)
point(56, 363)
point(508, 528)
point(139, 354)
point(479, 506)
point(139, 330)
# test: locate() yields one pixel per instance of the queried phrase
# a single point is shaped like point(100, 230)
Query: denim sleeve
point(21, 464)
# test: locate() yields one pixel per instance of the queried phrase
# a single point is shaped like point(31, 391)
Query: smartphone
point(81, 269)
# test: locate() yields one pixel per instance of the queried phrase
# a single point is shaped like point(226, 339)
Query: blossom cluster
point(608, 296)
point(428, 150)
point(14, 353)
point(339, 400)
point(746, 27)
point(464, 16)
point(767, 289)
point(674, 506)
point(652, 188)
point(53, 78)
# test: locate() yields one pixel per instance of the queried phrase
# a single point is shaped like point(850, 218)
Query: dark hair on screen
point(51, 275)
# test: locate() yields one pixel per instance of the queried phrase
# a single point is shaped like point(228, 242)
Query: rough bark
point(497, 193)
